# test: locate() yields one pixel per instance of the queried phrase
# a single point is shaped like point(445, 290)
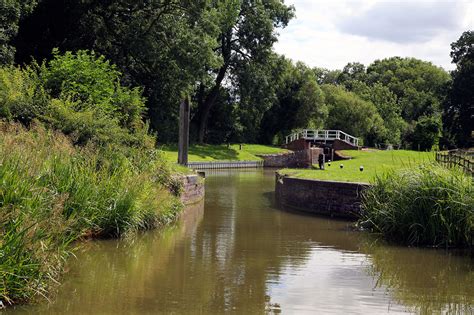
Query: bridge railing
point(322, 135)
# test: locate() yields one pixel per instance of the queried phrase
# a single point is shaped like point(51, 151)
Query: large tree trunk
point(205, 104)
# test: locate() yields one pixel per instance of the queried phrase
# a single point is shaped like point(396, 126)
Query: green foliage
point(404, 90)
point(91, 83)
point(11, 11)
point(419, 85)
point(426, 206)
point(52, 193)
point(22, 96)
point(79, 94)
point(458, 108)
point(353, 115)
point(427, 132)
point(247, 34)
point(326, 76)
point(299, 102)
point(386, 103)
point(352, 72)
point(403, 74)
point(255, 94)
point(164, 46)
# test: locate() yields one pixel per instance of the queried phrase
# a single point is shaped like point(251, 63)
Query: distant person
point(321, 161)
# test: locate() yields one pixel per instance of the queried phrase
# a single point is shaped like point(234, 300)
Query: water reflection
point(238, 254)
point(427, 281)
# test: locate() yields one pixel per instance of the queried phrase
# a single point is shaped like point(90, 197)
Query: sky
point(331, 33)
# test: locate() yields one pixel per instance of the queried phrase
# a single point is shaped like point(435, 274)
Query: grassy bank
point(427, 205)
point(374, 162)
point(221, 152)
point(53, 193)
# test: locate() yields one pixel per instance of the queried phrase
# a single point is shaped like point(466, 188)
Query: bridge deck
point(323, 135)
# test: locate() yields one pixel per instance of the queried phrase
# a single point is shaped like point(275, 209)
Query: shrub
point(22, 96)
point(429, 205)
point(91, 83)
point(52, 193)
point(79, 94)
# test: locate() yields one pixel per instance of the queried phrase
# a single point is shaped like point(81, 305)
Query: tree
point(386, 103)
point(326, 76)
point(164, 45)
point(353, 71)
point(299, 103)
point(427, 133)
point(247, 34)
point(420, 86)
point(351, 114)
point(458, 115)
point(11, 11)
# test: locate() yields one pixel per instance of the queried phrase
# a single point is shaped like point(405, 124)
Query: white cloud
point(330, 34)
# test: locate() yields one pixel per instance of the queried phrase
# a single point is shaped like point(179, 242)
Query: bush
point(429, 205)
point(91, 83)
point(79, 94)
point(22, 96)
point(52, 193)
point(427, 133)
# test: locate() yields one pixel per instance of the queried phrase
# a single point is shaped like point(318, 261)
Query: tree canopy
point(459, 105)
point(220, 54)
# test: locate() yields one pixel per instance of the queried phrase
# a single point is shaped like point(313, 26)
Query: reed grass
point(53, 193)
point(427, 205)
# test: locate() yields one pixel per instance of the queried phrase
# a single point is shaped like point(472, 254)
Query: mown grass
point(221, 152)
point(427, 205)
point(375, 162)
point(53, 193)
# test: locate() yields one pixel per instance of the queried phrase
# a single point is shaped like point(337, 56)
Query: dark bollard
point(321, 161)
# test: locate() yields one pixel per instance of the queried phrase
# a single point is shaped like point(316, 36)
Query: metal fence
point(457, 158)
point(225, 164)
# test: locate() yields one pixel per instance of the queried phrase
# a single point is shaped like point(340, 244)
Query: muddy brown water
point(238, 253)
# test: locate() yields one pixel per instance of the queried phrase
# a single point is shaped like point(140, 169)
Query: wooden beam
point(183, 144)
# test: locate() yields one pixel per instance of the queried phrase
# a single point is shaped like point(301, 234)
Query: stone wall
point(193, 189)
point(336, 199)
point(298, 159)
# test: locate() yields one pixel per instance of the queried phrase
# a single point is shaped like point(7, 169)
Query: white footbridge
point(323, 136)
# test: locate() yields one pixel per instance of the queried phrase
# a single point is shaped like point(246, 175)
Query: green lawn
point(373, 161)
point(221, 152)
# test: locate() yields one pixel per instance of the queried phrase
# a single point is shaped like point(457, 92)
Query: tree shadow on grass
point(217, 152)
point(207, 151)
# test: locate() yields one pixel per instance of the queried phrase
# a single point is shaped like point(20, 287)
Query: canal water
point(238, 253)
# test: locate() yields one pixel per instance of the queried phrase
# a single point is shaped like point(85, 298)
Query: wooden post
point(183, 144)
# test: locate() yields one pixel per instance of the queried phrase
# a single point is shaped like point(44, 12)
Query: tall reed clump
point(424, 206)
point(53, 193)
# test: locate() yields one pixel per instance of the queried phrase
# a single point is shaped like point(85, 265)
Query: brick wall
point(336, 199)
point(298, 145)
point(193, 189)
point(341, 145)
point(298, 159)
